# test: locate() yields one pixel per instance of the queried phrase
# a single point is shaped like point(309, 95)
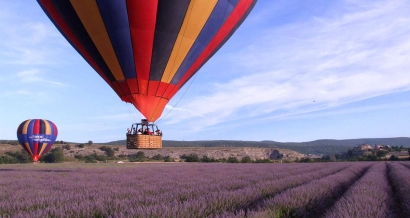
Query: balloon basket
point(138, 137)
point(144, 142)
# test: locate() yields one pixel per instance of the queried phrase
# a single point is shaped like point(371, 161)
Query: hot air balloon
point(37, 136)
point(146, 50)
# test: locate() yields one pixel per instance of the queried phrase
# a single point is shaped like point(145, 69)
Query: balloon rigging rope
point(130, 112)
point(192, 81)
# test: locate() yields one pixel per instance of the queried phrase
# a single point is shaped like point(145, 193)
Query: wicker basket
point(144, 141)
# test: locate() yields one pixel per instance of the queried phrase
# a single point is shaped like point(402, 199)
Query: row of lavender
point(208, 190)
point(310, 199)
point(400, 174)
point(175, 190)
point(381, 191)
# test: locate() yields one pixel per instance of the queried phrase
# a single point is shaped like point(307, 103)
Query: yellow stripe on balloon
point(43, 146)
point(197, 14)
point(89, 14)
point(25, 127)
point(48, 128)
point(28, 148)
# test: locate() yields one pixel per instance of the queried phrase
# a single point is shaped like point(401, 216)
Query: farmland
point(359, 189)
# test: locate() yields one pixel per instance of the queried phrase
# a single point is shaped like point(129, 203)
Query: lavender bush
point(173, 190)
point(371, 196)
point(400, 178)
point(310, 199)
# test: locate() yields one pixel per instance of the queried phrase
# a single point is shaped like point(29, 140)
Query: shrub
point(169, 159)
point(94, 158)
point(206, 159)
point(138, 157)
point(246, 159)
point(108, 151)
point(192, 158)
point(55, 156)
point(232, 160)
point(67, 147)
point(79, 157)
point(19, 156)
point(158, 157)
point(263, 161)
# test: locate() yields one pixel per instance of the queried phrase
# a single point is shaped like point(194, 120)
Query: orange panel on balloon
point(150, 106)
point(153, 88)
point(143, 86)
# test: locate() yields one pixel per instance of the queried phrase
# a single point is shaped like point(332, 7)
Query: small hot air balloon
point(37, 136)
point(146, 50)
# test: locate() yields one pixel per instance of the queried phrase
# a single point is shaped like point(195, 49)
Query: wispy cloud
point(313, 65)
point(35, 75)
point(26, 42)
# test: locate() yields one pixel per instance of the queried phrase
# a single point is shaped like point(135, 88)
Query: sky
point(294, 71)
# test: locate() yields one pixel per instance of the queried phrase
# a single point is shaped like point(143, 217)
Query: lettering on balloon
point(39, 138)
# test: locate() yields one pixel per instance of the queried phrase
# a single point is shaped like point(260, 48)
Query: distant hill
point(317, 147)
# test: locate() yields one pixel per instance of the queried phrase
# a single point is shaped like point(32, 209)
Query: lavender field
point(360, 189)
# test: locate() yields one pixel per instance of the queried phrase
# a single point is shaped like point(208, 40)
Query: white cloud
point(310, 66)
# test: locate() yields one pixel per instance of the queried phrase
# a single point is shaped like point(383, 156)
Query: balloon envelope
point(146, 50)
point(37, 136)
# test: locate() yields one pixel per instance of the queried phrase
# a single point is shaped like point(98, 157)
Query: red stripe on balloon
point(142, 17)
point(36, 131)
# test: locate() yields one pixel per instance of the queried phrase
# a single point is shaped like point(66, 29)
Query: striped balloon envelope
point(146, 50)
point(37, 136)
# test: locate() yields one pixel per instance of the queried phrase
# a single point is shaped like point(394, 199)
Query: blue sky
point(294, 71)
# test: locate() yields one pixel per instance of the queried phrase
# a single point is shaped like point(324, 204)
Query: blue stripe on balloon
point(218, 16)
point(115, 16)
point(29, 135)
point(42, 127)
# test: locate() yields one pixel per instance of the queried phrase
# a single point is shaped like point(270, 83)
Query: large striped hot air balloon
point(146, 50)
point(37, 136)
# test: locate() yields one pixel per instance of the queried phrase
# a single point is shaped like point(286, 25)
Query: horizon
point(293, 71)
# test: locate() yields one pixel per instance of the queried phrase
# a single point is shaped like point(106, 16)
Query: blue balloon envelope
point(37, 136)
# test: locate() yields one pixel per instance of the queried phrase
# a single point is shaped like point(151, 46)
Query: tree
point(394, 158)
point(90, 142)
point(246, 159)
